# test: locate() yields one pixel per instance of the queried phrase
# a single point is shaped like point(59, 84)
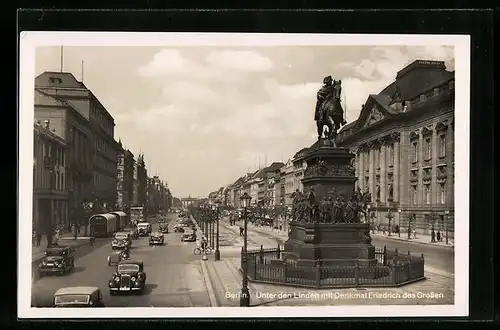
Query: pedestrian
point(38, 239)
point(242, 231)
point(438, 236)
point(433, 237)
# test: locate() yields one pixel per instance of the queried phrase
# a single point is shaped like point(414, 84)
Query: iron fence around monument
point(392, 269)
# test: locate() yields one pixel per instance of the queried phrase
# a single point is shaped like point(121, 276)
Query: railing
point(392, 269)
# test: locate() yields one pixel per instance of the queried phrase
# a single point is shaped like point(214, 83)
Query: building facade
point(125, 178)
point(404, 145)
point(89, 130)
point(141, 183)
point(50, 191)
point(288, 177)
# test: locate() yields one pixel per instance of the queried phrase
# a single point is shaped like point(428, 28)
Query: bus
point(137, 214)
point(103, 225)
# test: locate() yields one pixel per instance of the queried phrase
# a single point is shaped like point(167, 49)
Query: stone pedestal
point(330, 244)
point(342, 244)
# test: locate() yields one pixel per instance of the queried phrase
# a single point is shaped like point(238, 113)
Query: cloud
point(239, 60)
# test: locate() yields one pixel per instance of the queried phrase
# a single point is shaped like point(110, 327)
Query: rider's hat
point(327, 79)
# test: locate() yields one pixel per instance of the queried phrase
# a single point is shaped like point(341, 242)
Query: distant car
point(58, 260)
point(129, 277)
point(156, 238)
point(180, 227)
point(115, 257)
point(163, 227)
point(78, 296)
point(188, 236)
point(121, 240)
point(134, 233)
point(144, 228)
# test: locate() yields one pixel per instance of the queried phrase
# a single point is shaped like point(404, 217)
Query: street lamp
point(446, 212)
point(370, 219)
point(217, 252)
point(245, 294)
point(399, 222)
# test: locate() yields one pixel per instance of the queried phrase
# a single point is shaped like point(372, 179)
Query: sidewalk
point(421, 239)
point(224, 281)
point(64, 239)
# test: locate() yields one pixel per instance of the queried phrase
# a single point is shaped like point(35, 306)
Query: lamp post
point(217, 252)
point(370, 220)
point(399, 222)
point(205, 222)
point(245, 294)
point(446, 212)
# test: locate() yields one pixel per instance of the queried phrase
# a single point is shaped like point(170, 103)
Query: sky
point(204, 116)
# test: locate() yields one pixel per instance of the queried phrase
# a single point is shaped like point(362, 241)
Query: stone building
point(50, 191)
point(88, 126)
point(125, 178)
point(141, 182)
point(404, 145)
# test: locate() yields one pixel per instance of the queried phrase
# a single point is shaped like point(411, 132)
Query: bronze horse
point(330, 110)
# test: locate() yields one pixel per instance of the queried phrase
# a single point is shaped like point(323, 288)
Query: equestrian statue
point(329, 111)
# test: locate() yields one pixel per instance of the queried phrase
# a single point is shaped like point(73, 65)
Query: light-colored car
point(144, 228)
point(78, 296)
point(188, 235)
point(156, 238)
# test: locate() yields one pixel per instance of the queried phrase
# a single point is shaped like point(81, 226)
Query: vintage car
point(188, 235)
point(115, 257)
point(121, 240)
point(58, 260)
point(133, 232)
point(129, 277)
point(180, 226)
point(156, 238)
point(78, 296)
point(163, 228)
point(144, 228)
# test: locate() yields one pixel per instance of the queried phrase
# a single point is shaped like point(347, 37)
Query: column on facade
point(450, 156)
point(420, 182)
point(371, 168)
point(382, 160)
point(434, 157)
point(361, 176)
point(396, 181)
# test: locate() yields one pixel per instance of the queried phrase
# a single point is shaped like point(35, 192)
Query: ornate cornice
point(395, 136)
point(362, 147)
point(373, 144)
point(441, 126)
point(414, 135)
point(426, 131)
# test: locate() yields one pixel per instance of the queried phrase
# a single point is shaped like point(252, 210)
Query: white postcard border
point(30, 40)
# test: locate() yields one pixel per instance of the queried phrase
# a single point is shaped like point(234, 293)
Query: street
point(174, 277)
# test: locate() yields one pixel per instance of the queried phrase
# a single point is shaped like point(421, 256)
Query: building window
point(427, 193)
point(436, 92)
point(442, 193)
point(414, 194)
point(442, 146)
point(427, 148)
point(414, 152)
point(391, 155)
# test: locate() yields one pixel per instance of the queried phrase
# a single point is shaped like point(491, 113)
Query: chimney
point(46, 124)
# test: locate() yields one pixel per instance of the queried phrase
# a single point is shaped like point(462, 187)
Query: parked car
point(78, 296)
point(188, 236)
point(156, 238)
point(58, 260)
point(129, 277)
point(144, 228)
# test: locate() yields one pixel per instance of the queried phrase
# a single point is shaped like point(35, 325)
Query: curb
point(208, 284)
point(450, 247)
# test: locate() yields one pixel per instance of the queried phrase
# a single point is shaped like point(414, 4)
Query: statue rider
point(321, 96)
